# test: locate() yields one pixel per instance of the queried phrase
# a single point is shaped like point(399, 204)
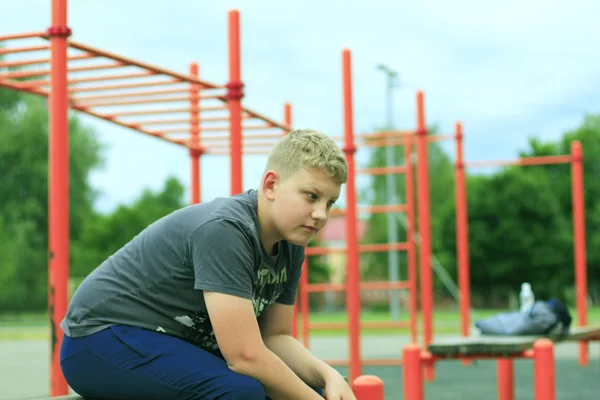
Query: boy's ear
point(269, 184)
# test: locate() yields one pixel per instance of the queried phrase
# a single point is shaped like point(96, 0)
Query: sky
point(506, 69)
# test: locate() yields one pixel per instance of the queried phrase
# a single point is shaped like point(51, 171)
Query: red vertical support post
point(544, 370)
point(368, 387)
point(424, 230)
point(287, 121)
point(352, 256)
point(58, 192)
point(287, 116)
point(505, 379)
point(194, 146)
point(580, 243)
point(235, 92)
point(410, 234)
point(304, 304)
point(462, 233)
point(412, 372)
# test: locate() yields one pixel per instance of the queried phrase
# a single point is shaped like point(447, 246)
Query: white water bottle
point(527, 297)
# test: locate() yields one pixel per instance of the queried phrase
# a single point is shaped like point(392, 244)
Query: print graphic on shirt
point(197, 328)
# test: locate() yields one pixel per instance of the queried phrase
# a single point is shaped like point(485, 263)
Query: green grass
point(35, 325)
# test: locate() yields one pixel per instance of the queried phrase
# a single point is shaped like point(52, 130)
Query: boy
point(199, 305)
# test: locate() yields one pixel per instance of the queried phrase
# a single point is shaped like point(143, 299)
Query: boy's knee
point(246, 388)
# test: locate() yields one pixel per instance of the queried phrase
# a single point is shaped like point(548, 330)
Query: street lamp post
point(391, 191)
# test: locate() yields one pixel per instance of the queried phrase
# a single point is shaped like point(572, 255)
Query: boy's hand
point(336, 388)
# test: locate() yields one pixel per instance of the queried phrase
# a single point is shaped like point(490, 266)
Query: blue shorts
point(129, 363)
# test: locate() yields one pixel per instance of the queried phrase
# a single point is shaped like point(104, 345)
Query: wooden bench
point(500, 345)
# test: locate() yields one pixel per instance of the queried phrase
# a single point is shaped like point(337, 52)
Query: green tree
point(24, 195)
point(105, 234)
point(588, 134)
point(517, 233)
point(520, 222)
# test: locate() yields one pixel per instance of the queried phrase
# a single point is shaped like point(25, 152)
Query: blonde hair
point(308, 149)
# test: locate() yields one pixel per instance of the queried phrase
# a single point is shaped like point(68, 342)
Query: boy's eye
point(311, 196)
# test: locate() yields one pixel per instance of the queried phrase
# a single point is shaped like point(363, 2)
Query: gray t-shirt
point(156, 280)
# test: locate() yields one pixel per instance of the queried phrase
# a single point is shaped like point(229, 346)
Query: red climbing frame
point(353, 286)
point(66, 85)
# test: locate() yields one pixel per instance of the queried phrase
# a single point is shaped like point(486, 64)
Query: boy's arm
point(239, 339)
point(276, 328)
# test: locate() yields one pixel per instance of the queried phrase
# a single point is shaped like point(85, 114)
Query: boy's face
point(301, 204)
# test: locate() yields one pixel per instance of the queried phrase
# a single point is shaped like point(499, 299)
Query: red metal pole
point(505, 379)
point(234, 95)
point(580, 243)
point(353, 273)
point(412, 372)
point(544, 370)
point(287, 121)
point(424, 230)
point(368, 387)
point(304, 304)
point(195, 136)
point(287, 116)
point(58, 192)
point(410, 234)
point(462, 233)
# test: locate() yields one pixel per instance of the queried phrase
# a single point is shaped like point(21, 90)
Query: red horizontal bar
point(124, 124)
point(366, 362)
point(103, 78)
point(340, 287)
point(385, 134)
point(400, 169)
point(131, 94)
point(363, 325)
point(8, 84)
point(25, 35)
point(540, 160)
point(149, 67)
point(23, 49)
point(135, 102)
point(46, 72)
point(364, 248)
point(374, 209)
point(247, 138)
point(162, 122)
point(439, 138)
point(226, 128)
point(245, 152)
point(272, 123)
point(148, 112)
point(223, 119)
point(100, 88)
point(383, 143)
point(37, 61)
point(162, 111)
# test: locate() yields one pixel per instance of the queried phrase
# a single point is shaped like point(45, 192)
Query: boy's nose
point(319, 213)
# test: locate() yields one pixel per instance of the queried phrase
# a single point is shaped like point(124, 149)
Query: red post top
point(576, 151)
point(459, 131)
